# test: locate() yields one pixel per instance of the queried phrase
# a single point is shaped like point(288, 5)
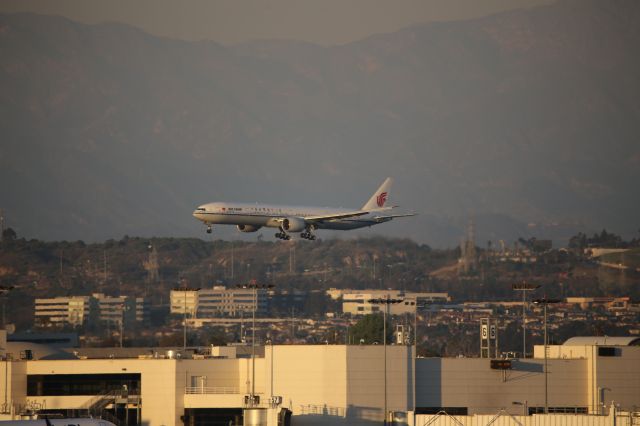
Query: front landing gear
point(208, 229)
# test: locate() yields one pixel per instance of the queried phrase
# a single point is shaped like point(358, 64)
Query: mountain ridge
point(529, 116)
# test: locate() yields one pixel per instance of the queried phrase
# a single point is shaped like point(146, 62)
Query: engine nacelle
point(293, 224)
point(248, 228)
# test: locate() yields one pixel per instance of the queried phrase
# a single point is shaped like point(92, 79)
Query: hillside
point(527, 119)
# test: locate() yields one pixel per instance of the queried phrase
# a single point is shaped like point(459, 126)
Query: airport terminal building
point(322, 384)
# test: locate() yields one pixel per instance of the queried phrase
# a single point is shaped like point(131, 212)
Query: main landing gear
point(283, 235)
point(307, 235)
point(208, 229)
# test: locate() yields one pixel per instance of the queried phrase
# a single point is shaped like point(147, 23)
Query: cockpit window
point(201, 209)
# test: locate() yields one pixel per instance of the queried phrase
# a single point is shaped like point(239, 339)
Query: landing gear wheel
point(308, 234)
point(209, 229)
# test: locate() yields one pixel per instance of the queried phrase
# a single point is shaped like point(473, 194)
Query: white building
point(60, 311)
point(218, 301)
point(79, 310)
point(360, 302)
point(121, 308)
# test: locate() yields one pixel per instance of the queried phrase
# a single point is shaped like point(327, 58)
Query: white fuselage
point(271, 215)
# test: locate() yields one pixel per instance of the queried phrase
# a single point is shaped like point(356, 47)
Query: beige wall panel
point(464, 382)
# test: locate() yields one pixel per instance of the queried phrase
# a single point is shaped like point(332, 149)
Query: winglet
point(379, 198)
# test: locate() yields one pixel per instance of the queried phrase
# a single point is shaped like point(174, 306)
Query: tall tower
point(151, 265)
point(468, 257)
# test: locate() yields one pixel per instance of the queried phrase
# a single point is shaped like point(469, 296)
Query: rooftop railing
point(217, 390)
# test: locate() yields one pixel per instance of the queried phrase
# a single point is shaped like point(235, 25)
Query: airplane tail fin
point(379, 198)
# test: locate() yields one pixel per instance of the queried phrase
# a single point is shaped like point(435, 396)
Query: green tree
point(9, 235)
point(369, 330)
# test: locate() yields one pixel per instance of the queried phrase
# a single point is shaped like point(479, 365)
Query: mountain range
point(527, 122)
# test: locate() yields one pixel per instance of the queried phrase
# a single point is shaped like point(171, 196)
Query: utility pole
point(232, 260)
point(544, 302)
point(293, 319)
point(386, 302)
point(254, 287)
point(184, 322)
point(1, 224)
point(524, 287)
point(184, 289)
point(104, 264)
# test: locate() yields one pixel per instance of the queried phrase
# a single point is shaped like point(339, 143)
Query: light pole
point(184, 289)
point(544, 302)
point(415, 346)
point(254, 286)
point(386, 302)
point(524, 287)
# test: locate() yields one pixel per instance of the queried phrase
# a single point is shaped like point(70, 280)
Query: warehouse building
point(322, 384)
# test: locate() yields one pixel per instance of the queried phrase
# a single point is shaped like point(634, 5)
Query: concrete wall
point(617, 378)
point(471, 383)
point(311, 379)
point(366, 380)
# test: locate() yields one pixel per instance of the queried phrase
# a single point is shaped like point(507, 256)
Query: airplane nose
point(198, 213)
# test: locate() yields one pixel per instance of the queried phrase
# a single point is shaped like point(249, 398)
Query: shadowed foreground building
point(321, 384)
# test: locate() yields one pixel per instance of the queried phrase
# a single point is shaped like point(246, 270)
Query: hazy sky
point(232, 21)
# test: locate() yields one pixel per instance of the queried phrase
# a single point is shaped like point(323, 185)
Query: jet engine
point(248, 228)
point(294, 224)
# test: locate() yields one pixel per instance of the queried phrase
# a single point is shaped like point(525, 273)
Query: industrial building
point(321, 384)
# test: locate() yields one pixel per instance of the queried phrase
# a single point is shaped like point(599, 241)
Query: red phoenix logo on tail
point(381, 199)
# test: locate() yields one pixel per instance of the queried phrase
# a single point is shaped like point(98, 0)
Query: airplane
point(289, 219)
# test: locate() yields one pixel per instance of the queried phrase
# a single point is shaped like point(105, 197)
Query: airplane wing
point(344, 215)
point(322, 218)
point(391, 216)
point(398, 215)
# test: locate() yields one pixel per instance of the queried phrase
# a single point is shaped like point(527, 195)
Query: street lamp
point(386, 302)
point(544, 302)
point(184, 289)
point(524, 287)
point(254, 286)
